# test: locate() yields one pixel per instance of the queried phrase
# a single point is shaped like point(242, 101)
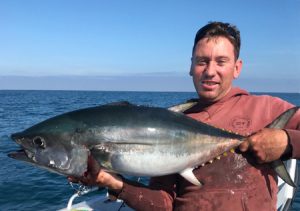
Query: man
point(238, 180)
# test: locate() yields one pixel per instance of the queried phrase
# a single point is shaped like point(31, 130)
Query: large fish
point(128, 139)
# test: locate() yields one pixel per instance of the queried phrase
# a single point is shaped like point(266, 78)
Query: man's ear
point(191, 68)
point(237, 68)
point(191, 71)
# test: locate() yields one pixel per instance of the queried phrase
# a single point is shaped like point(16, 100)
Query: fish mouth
point(28, 157)
point(74, 166)
point(23, 155)
point(60, 158)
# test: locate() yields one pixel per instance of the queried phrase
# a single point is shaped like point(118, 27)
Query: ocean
point(24, 187)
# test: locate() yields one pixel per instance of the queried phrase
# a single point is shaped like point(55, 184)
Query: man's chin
point(209, 96)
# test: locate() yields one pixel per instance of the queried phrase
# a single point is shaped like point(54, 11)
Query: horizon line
point(91, 90)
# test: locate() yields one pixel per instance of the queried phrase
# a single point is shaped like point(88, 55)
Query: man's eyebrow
point(208, 58)
point(201, 57)
point(223, 58)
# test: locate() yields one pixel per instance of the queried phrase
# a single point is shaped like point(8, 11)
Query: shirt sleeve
point(159, 195)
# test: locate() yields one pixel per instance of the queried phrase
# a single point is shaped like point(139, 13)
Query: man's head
point(215, 60)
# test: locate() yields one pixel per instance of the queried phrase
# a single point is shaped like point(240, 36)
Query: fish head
point(51, 150)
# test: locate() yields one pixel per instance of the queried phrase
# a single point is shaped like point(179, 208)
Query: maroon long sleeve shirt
point(235, 181)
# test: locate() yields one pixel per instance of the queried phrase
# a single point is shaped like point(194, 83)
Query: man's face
point(214, 67)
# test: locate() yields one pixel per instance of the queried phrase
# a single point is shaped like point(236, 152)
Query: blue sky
point(141, 45)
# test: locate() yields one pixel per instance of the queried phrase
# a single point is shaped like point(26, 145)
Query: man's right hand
point(96, 176)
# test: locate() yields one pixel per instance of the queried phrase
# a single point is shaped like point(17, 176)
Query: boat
point(101, 202)
point(286, 192)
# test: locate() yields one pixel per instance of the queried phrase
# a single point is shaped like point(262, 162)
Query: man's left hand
point(266, 145)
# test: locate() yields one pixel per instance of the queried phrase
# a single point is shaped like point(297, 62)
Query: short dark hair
point(220, 29)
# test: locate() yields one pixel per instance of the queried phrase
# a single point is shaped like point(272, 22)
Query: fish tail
point(278, 165)
point(281, 121)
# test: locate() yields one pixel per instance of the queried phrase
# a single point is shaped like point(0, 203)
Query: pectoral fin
point(281, 171)
point(189, 176)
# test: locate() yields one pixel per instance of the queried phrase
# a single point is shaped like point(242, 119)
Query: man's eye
point(221, 63)
point(201, 62)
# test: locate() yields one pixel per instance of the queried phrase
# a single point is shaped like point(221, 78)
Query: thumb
point(93, 165)
point(244, 146)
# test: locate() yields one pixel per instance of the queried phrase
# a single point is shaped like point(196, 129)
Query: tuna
point(127, 139)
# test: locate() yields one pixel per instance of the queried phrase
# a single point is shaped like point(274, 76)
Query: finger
point(86, 179)
point(73, 179)
point(91, 161)
point(244, 146)
point(93, 165)
point(262, 157)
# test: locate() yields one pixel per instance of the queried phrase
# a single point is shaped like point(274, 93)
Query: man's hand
point(267, 145)
point(96, 176)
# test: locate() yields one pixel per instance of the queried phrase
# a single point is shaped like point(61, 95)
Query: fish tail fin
point(282, 172)
point(283, 119)
point(278, 165)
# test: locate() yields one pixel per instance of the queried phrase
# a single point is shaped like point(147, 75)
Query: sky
point(136, 45)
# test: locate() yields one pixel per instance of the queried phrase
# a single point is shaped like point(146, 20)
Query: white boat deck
point(99, 203)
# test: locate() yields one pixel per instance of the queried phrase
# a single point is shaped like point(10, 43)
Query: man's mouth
point(209, 84)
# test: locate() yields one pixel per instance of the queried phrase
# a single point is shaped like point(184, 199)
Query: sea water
point(24, 187)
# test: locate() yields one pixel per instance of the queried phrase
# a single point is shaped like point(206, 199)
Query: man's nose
point(210, 69)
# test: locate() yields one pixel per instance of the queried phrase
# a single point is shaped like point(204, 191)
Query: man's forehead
point(214, 40)
point(217, 45)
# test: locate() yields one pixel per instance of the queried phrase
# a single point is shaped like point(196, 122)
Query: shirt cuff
point(294, 141)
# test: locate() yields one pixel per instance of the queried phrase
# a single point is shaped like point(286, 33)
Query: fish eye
point(39, 142)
